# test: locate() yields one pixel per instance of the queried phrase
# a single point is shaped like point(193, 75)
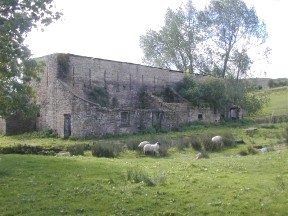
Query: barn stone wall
point(66, 108)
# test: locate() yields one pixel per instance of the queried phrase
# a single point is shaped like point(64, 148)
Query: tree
point(213, 93)
point(177, 44)
point(17, 19)
point(221, 94)
point(233, 30)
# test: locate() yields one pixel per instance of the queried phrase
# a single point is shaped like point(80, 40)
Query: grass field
point(133, 184)
point(278, 104)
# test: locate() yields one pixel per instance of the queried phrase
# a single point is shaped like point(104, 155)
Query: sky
point(111, 29)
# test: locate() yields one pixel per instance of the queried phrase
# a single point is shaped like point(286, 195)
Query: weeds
point(108, 150)
point(77, 149)
point(136, 175)
point(285, 134)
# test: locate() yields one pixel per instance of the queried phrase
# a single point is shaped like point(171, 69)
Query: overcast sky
point(111, 30)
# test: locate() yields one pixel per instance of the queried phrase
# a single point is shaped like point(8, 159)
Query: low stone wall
point(15, 125)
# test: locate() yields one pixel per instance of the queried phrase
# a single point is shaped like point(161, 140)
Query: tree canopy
point(221, 94)
point(17, 19)
point(214, 41)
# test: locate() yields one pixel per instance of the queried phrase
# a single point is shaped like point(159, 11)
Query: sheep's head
point(158, 143)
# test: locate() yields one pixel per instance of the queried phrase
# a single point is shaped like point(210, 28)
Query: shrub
point(133, 145)
point(192, 126)
point(108, 150)
point(77, 149)
point(252, 150)
point(243, 152)
point(196, 143)
point(285, 134)
point(39, 134)
point(228, 139)
point(268, 126)
point(249, 150)
point(21, 149)
point(182, 143)
point(163, 151)
point(204, 153)
point(149, 131)
point(137, 175)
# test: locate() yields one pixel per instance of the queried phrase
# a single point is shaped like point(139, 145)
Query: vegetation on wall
point(221, 94)
point(63, 65)
point(99, 95)
point(168, 95)
point(143, 100)
point(273, 83)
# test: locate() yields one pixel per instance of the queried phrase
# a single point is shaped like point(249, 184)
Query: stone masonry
point(67, 108)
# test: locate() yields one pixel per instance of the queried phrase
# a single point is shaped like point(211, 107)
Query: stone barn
point(86, 97)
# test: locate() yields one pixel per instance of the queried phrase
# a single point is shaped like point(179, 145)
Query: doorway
point(67, 125)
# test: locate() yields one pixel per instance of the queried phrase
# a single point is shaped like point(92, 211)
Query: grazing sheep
point(264, 149)
point(142, 144)
point(151, 148)
point(199, 156)
point(218, 140)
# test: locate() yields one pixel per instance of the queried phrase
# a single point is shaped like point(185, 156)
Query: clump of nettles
point(108, 150)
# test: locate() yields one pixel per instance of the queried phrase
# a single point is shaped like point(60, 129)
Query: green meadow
point(230, 181)
point(237, 179)
point(278, 103)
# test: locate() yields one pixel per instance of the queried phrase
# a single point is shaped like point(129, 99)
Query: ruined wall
point(14, 125)
point(122, 80)
point(2, 126)
point(67, 109)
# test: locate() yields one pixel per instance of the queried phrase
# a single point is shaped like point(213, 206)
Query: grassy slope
point(224, 184)
point(278, 104)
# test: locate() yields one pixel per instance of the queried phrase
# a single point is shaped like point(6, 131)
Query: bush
point(285, 134)
point(108, 150)
point(133, 145)
point(137, 175)
point(196, 143)
point(192, 126)
point(21, 149)
point(163, 151)
point(252, 150)
point(228, 139)
point(249, 150)
point(39, 134)
point(77, 149)
point(149, 131)
point(30, 149)
point(243, 152)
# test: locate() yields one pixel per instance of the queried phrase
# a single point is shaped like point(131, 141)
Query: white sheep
point(218, 140)
point(151, 148)
point(199, 156)
point(142, 144)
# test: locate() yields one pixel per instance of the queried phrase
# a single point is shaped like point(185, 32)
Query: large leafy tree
point(176, 44)
point(17, 19)
point(217, 41)
point(233, 30)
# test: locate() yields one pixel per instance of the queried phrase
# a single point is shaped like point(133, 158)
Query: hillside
point(278, 104)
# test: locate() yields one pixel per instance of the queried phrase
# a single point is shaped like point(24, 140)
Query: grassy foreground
point(220, 185)
point(132, 184)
